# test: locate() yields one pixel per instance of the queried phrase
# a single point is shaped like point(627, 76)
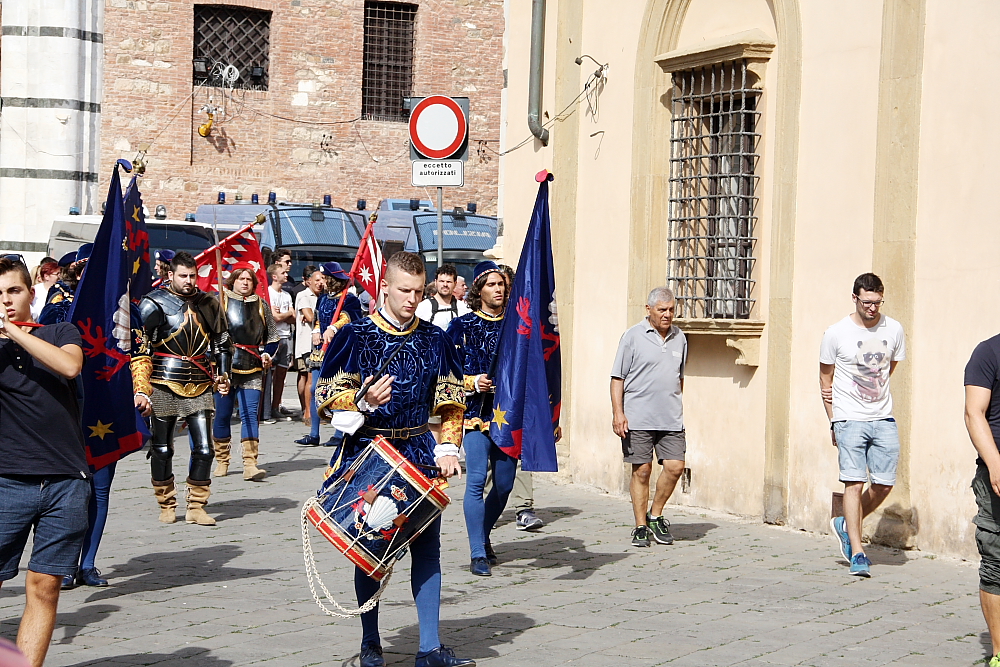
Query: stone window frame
point(754, 47)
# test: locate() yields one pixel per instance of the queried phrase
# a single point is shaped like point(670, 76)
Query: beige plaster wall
point(834, 217)
point(958, 245)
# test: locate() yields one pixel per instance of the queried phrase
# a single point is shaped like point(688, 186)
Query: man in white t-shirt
point(281, 360)
point(441, 308)
point(856, 360)
point(305, 313)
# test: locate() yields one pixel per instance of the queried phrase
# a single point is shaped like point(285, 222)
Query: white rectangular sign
point(438, 173)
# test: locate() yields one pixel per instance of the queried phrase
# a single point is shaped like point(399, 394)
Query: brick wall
point(273, 140)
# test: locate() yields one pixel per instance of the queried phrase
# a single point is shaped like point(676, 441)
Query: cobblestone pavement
point(728, 592)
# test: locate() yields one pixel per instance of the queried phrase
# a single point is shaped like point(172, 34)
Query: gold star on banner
point(135, 266)
point(499, 417)
point(135, 215)
point(100, 430)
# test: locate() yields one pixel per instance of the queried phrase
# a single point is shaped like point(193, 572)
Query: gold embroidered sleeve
point(337, 393)
point(452, 423)
point(342, 321)
point(142, 369)
point(470, 383)
point(449, 391)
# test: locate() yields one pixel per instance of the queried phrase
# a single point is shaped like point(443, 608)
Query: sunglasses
point(16, 258)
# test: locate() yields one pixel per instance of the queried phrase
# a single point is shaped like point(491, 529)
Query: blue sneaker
point(860, 565)
point(838, 528)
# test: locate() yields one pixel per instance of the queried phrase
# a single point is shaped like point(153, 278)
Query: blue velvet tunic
point(428, 377)
point(327, 304)
point(476, 335)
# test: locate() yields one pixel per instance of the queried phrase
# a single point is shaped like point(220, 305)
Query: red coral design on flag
point(524, 312)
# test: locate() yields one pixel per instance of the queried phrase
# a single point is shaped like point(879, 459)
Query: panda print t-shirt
point(862, 357)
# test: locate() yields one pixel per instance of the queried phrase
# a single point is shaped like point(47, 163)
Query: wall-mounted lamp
point(256, 72)
point(200, 67)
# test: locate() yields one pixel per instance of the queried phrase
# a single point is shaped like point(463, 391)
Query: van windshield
point(190, 239)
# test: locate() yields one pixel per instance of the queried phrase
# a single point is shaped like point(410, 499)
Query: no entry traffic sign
point(438, 127)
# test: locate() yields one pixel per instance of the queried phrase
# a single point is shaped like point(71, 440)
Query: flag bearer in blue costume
point(424, 378)
point(476, 335)
point(60, 297)
point(324, 330)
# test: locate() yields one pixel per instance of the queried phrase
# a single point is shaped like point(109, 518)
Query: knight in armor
point(184, 332)
point(324, 331)
point(251, 332)
point(476, 335)
point(417, 373)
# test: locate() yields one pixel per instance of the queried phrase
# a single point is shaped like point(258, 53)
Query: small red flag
point(238, 248)
point(369, 266)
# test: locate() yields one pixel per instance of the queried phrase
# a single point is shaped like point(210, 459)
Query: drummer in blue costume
point(476, 335)
point(324, 331)
point(422, 379)
point(60, 297)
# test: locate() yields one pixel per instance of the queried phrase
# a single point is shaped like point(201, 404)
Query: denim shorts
point(868, 450)
point(56, 507)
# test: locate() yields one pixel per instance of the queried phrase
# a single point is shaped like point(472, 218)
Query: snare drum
point(377, 507)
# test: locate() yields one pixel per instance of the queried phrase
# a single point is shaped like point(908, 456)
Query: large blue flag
point(104, 314)
point(529, 367)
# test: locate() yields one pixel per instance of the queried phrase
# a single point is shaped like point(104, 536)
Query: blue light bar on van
point(272, 198)
point(222, 198)
point(254, 199)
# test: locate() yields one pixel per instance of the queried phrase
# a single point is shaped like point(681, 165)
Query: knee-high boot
point(166, 496)
point(222, 449)
point(251, 473)
point(197, 498)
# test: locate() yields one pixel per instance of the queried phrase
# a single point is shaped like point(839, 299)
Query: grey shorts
point(283, 355)
point(638, 446)
point(987, 530)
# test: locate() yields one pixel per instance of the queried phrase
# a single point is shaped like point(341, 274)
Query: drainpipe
point(535, 73)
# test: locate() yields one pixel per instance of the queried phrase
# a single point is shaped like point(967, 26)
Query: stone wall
point(300, 138)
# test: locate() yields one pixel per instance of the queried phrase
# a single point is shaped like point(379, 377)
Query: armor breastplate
point(181, 344)
point(246, 327)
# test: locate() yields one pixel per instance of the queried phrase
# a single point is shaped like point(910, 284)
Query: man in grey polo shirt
point(646, 384)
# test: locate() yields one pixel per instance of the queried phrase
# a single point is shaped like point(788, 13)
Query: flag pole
point(369, 231)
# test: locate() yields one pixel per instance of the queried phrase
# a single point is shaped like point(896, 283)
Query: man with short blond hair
point(646, 384)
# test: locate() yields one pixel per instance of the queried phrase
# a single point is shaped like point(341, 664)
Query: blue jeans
point(480, 515)
point(97, 514)
point(867, 449)
point(56, 507)
point(249, 404)
point(425, 584)
point(313, 409)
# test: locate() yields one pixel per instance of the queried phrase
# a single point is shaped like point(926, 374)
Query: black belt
point(396, 433)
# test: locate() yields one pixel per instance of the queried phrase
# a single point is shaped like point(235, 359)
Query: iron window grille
point(229, 35)
point(387, 75)
point(712, 208)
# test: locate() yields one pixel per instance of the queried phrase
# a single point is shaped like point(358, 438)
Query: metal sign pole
point(440, 239)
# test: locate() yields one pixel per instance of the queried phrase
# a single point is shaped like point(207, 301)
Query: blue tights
point(313, 411)
point(480, 515)
point(97, 514)
point(249, 404)
point(425, 583)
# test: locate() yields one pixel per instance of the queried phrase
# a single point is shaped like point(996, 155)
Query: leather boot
point(197, 498)
point(251, 473)
point(222, 448)
point(166, 496)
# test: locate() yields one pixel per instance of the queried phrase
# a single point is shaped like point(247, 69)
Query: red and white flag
point(369, 265)
point(240, 247)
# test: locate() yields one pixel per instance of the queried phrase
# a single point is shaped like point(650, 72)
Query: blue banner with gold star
point(528, 373)
point(103, 311)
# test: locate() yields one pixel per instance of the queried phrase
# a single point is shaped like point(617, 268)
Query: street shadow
point(192, 655)
point(275, 468)
point(224, 510)
point(75, 621)
point(987, 643)
point(174, 569)
point(471, 637)
point(880, 555)
point(691, 532)
point(557, 551)
point(547, 514)
point(896, 527)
